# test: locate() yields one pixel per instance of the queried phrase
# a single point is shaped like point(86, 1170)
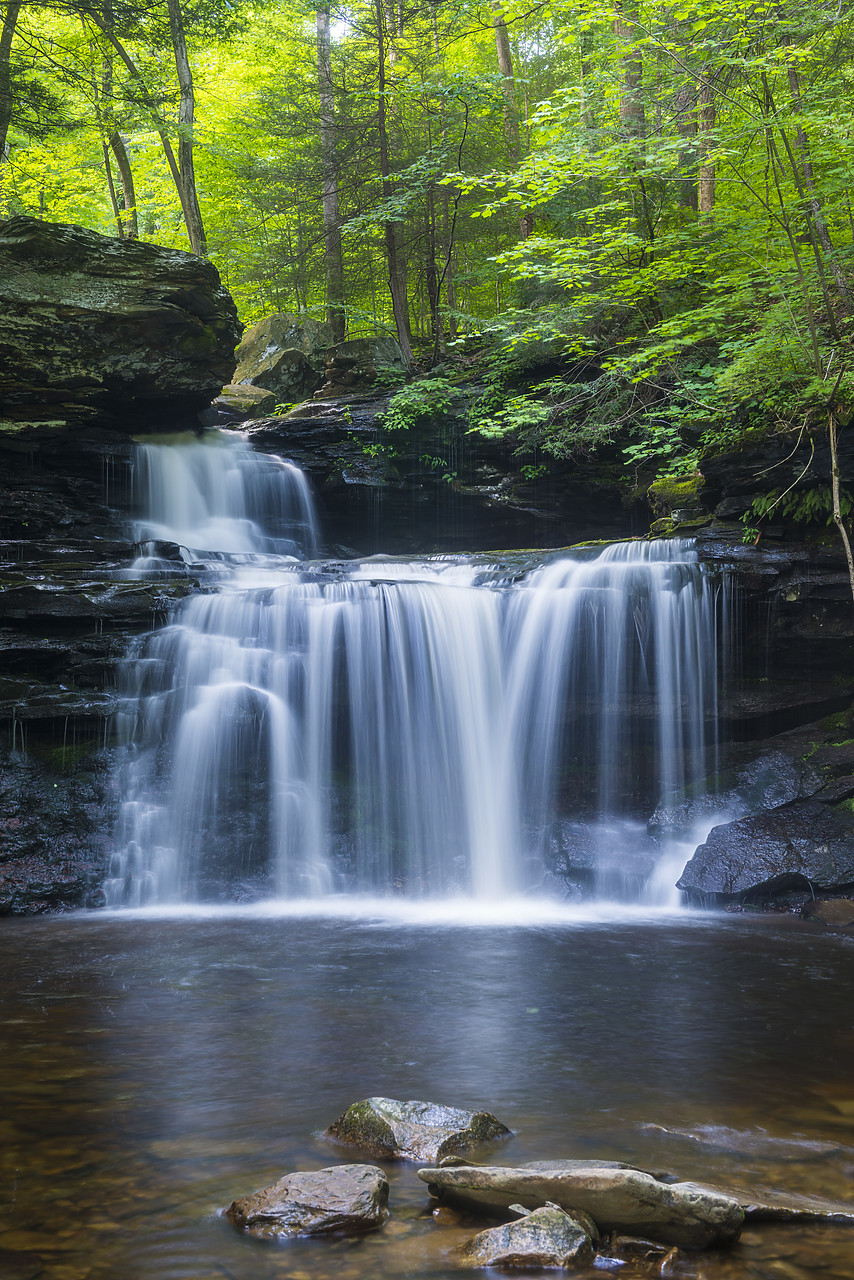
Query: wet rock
point(548, 1237)
point(772, 779)
point(394, 1130)
point(97, 330)
point(836, 913)
point(800, 845)
point(348, 1199)
point(763, 1205)
point(617, 1199)
point(284, 354)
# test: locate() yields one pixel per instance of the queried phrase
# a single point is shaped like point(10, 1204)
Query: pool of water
point(153, 1068)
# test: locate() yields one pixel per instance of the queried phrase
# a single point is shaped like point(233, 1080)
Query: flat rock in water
point(346, 1198)
point(393, 1130)
point(548, 1237)
point(763, 1205)
point(617, 1199)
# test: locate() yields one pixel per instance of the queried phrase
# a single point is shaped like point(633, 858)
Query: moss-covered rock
point(394, 1130)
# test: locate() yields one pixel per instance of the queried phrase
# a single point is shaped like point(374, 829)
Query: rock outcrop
point(346, 1199)
point(101, 331)
point(802, 846)
point(392, 1130)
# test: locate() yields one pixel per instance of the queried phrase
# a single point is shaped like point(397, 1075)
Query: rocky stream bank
point(103, 341)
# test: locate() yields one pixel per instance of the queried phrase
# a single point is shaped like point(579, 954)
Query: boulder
point(617, 1199)
point(238, 402)
point(284, 354)
point(836, 913)
point(96, 330)
point(802, 845)
point(393, 1130)
point(347, 1199)
point(363, 362)
point(548, 1237)
point(772, 779)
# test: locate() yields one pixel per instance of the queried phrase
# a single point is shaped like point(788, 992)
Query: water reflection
point(152, 1069)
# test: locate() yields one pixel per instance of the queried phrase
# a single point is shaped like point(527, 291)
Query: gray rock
point(762, 1205)
point(796, 846)
point(361, 361)
point(346, 1198)
point(770, 780)
point(617, 1199)
point(393, 1130)
point(244, 401)
point(284, 354)
point(96, 330)
point(548, 1237)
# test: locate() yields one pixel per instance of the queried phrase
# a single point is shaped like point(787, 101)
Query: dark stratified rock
point(348, 1199)
point(802, 845)
point(548, 1237)
point(393, 1130)
point(96, 330)
point(284, 354)
point(617, 1199)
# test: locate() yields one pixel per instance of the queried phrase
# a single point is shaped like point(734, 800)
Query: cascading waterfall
point(431, 728)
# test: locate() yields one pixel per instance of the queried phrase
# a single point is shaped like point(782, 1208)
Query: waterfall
point(431, 728)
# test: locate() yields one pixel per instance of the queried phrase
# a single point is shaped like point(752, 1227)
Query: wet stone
point(347, 1199)
point(548, 1237)
point(392, 1130)
point(617, 1199)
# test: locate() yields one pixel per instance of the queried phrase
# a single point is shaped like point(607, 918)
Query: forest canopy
point(647, 204)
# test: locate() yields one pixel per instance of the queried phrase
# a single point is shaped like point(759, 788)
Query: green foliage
point(801, 506)
point(420, 401)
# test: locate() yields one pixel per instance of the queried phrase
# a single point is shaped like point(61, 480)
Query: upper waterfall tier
point(432, 728)
point(213, 495)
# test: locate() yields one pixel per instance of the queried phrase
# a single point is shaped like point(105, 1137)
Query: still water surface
point(153, 1069)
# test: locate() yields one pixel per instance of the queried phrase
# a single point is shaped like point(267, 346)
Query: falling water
point(442, 727)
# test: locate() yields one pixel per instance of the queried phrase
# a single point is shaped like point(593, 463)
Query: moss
point(670, 492)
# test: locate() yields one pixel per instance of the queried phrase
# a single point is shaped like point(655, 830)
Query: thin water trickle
point(429, 728)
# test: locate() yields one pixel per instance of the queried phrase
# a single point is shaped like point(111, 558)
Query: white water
point(431, 729)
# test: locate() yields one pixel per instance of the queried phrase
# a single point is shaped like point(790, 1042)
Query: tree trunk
point(335, 315)
point(508, 86)
point(396, 279)
point(117, 146)
point(814, 205)
point(186, 122)
point(7, 35)
point(632, 114)
point(706, 176)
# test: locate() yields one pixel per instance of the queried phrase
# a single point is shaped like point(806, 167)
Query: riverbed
point(156, 1066)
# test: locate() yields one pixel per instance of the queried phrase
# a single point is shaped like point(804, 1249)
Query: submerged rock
point(802, 845)
point(548, 1237)
point(393, 1130)
point(346, 1198)
point(763, 1205)
point(617, 1199)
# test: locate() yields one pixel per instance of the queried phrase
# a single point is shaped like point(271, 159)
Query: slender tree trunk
point(396, 281)
point(706, 178)
point(117, 146)
point(632, 113)
point(111, 187)
point(186, 123)
point(815, 208)
point(7, 35)
point(508, 84)
point(335, 315)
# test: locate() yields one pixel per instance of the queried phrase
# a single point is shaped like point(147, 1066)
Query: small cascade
point(214, 496)
point(433, 728)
